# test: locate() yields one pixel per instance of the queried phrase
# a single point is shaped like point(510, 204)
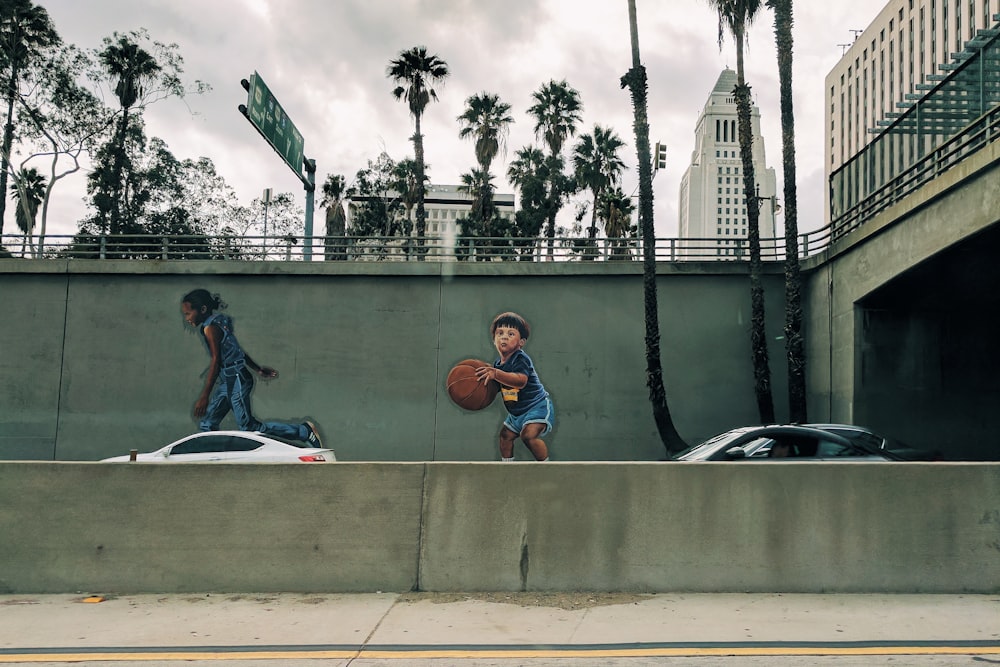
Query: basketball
point(466, 390)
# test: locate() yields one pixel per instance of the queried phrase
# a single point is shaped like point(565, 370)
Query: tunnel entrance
point(927, 367)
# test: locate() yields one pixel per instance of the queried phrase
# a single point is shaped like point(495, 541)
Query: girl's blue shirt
point(230, 350)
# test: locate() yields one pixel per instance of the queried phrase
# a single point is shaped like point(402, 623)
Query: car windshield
point(705, 449)
point(864, 443)
point(866, 440)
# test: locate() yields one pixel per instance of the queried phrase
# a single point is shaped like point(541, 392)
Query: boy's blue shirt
point(519, 401)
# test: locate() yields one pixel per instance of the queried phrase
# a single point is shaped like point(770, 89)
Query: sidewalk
point(390, 621)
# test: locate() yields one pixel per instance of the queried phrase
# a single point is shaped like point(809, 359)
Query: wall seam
point(62, 367)
point(420, 530)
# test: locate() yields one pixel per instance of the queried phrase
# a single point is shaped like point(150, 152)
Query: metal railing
point(396, 249)
point(850, 215)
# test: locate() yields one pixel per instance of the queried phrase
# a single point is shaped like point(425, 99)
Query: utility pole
point(310, 185)
point(266, 199)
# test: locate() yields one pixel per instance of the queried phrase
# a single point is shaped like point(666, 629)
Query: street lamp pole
point(266, 199)
point(310, 186)
point(775, 209)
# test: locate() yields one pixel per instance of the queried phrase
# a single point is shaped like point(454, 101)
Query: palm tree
point(736, 16)
point(486, 119)
point(333, 201)
point(479, 184)
point(635, 81)
point(481, 221)
point(28, 191)
point(25, 29)
point(527, 172)
point(528, 163)
point(597, 166)
point(132, 68)
point(404, 181)
point(794, 343)
point(616, 213)
point(416, 71)
point(556, 111)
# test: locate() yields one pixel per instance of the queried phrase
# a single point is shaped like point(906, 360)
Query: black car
point(860, 434)
point(821, 442)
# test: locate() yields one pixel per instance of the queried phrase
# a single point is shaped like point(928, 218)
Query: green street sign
point(274, 124)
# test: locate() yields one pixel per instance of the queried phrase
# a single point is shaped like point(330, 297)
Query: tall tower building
point(903, 53)
point(712, 205)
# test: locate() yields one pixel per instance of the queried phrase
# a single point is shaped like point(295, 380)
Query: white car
point(231, 447)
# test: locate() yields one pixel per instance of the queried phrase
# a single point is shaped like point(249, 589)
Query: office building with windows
point(712, 206)
point(445, 207)
point(908, 49)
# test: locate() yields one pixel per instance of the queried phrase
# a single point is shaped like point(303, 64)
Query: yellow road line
point(498, 653)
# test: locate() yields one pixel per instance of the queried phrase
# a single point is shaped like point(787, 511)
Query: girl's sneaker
point(313, 438)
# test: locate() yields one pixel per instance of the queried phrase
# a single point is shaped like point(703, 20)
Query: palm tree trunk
point(553, 204)
point(758, 336)
point(116, 177)
point(794, 341)
point(592, 232)
point(635, 80)
point(8, 142)
point(410, 226)
point(418, 152)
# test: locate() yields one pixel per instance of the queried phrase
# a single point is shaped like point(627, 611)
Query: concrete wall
point(96, 360)
point(356, 527)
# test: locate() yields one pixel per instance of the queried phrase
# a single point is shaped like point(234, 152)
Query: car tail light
point(312, 458)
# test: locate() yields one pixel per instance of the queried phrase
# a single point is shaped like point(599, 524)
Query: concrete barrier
point(237, 528)
point(356, 527)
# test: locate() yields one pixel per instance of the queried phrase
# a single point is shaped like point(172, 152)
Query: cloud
point(326, 64)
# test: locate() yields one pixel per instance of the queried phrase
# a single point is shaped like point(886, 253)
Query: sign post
point(270, 119)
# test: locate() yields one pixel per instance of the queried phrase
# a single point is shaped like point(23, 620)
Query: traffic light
point(660, 156)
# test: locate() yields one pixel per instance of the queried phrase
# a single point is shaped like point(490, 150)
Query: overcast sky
point(325, 62)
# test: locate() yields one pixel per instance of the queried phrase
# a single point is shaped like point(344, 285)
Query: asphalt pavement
point(502, 629)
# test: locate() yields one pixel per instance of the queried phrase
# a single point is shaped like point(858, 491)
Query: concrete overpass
point(903, 315)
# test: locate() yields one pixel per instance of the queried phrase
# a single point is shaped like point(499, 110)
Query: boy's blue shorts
point(540, 413)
